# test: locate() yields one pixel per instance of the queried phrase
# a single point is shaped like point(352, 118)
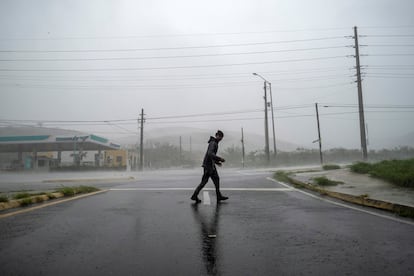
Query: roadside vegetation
point(324, 181)
point(4, 198)
point(282, 176)
point(71, 191)
point(399, 172)
point(21, 195)
point(26, 198)
point(328, 167)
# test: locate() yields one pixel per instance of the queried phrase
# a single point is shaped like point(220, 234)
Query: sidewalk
point(361, 185)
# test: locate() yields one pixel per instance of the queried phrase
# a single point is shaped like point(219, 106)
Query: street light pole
point(266, 119)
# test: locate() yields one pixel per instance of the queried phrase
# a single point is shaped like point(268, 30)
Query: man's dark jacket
point(210, 159)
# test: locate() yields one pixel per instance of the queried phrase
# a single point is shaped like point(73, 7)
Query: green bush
point(21, 195)
point(71, 191)
point(331, 167)
point(26, 201)
point(323, 181)
point(4, 198)
point(67, 191)
point(85, 189)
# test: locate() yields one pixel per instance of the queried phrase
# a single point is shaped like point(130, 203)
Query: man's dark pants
point(209, 173)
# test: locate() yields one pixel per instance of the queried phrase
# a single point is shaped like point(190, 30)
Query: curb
point(399, 209)
point(87, 179)
point(17, 203)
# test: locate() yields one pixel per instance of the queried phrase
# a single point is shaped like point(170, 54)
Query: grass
point(39, 199)
point(331, 167)
point(361, 167)
point(26, 201)
point(398, 172)
point(50, 195)
point(323, 181)
point(71, 191)
point(281, 176)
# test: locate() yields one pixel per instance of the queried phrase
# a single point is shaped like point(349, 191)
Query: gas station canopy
point(65, 141)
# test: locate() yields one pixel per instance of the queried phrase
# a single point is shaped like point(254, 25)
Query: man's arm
point(212, 147)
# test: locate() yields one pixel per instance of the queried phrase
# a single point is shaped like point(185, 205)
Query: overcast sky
point(78, 61)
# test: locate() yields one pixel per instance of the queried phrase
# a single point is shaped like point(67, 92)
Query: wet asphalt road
point(150, 227)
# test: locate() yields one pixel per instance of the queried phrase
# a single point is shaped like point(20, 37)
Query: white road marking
point(206, 198)
point(343, 205)
point(253, 173)
point(207, 189)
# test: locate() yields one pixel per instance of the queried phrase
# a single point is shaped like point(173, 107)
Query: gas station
point(26, 144)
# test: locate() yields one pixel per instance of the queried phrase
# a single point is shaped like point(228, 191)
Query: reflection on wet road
point(208, 219)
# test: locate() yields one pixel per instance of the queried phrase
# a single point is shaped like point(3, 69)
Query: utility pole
point(181, 151)
point(266, 126)
point(141, 150)
point(266, 120)
point(273, 120)
point(360, 99)
point(319, 134)
point(242, 141)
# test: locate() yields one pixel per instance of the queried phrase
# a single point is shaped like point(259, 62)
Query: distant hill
point(199, 138)
point(405, 140)
point(398, 141)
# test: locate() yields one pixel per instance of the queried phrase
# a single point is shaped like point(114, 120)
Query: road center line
point(206, 198)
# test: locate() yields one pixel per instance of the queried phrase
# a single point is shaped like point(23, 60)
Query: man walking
point(210, 171)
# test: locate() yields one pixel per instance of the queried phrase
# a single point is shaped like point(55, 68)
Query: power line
point(196, 34)
point(106, 78)
point(388, 77)
point(169, 57)
point(154, 120)
point(172, 48)
point(14, 78)
point(189, 85)
point(390, 45)
point(390, 35)
point(118, 126)
point(390, 55)
point(172, 35)
point(170, 87)
point(169, 67)
point(368, 106)
point(388, 27)
point(392, 66)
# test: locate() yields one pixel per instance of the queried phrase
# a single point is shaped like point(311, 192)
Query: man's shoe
point(196, 199)
point(222, 198)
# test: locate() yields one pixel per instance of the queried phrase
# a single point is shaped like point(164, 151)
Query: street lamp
point(273, 117)
point(266, 120)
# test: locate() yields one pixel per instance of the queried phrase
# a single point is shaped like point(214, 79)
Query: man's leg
point(216, 180)
point(204, 180)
